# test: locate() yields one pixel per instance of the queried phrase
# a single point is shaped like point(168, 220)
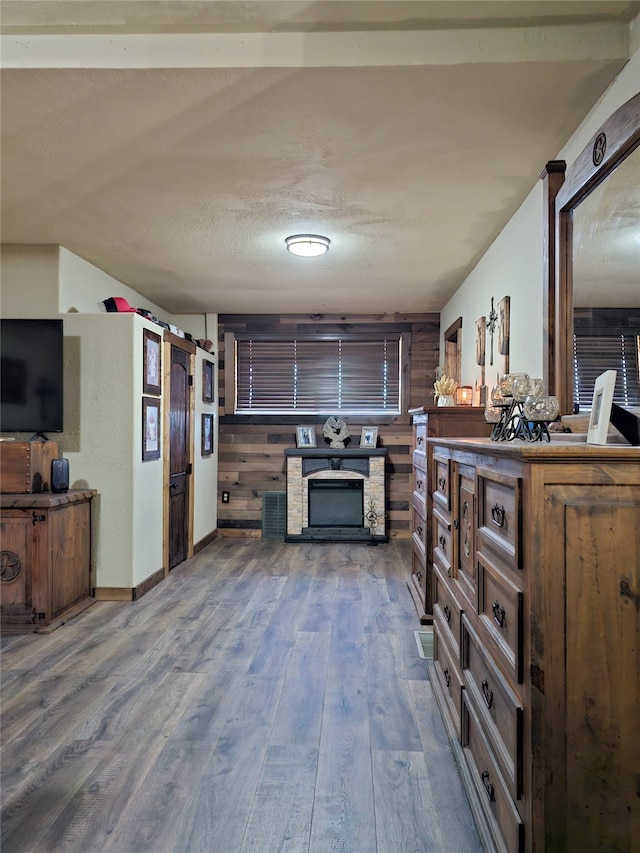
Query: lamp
point(464, 395)
point(307, 245)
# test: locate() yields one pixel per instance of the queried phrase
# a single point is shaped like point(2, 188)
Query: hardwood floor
point(265, 697)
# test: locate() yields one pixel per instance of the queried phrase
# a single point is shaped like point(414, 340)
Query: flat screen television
point(31, 376)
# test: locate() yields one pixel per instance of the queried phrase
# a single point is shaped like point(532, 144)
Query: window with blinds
point(311, 375)
point(593, 354)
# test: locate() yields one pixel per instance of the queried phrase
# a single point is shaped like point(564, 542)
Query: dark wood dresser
point(536, 555)
point(432, 422)
point(46, 558)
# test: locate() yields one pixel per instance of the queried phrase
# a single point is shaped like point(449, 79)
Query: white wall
point(103, 406)
point(513, 265)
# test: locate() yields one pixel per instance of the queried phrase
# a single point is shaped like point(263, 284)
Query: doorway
point(180, 443)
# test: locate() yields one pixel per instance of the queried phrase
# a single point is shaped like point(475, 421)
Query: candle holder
point(526, 418)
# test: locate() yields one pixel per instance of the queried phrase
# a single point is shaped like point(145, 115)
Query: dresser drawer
point(441, 486)
point(499, 712)
point(442, 541)
point(418, 534)
point(420, 432)
point(419, 482)
point(448, 673)
point(500, 611)
point(502, 815)
point(446, 608)
point(464, 523)
point(500, 514)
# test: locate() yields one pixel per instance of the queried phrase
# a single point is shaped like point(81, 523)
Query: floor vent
point(274, 515)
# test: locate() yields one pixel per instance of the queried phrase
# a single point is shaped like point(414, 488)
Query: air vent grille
point(274, 515)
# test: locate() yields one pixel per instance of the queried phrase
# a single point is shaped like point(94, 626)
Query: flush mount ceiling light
point(307, 245)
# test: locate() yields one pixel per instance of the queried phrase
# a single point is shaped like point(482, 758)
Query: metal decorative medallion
point(599, 148)
point(10, 566)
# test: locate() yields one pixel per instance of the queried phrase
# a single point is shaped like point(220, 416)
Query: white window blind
point(593, 354)
point(306, 375)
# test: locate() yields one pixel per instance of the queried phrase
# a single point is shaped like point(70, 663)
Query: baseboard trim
point(125, 593)
point(144, 587)
point(207, 540)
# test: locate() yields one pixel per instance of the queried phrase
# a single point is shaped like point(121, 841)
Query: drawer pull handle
point(442, 483)
point(419, 530)
point(419, 440)
point(447, 613)
point(499, 613)
point(418, 485)
point(487, 694)
point(498, 515)
point(456, 524)
point(443, 543)
point(488, 786)
point(447, 677)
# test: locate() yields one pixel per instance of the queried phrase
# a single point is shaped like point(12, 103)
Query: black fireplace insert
point(336, 503)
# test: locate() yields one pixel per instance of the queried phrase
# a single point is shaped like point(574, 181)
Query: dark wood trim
point(553, 178)
point(206, 540)
point(177, 341)
point(622, 134)
point(452, 330)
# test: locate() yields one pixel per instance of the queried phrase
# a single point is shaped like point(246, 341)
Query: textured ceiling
point(176, 144)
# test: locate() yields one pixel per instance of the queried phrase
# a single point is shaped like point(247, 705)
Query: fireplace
point(336, 503)
point(336, 494)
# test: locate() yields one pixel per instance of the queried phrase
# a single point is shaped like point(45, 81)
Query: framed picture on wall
point(150, 428)
point(207, 382)
point(481, 337)
point(504, 311)
point(151, 363)
point(601, 407)
point(207, 435)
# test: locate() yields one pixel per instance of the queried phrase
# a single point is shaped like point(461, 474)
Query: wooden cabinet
point(536, 638)
point(45, 575)
point(431, 422)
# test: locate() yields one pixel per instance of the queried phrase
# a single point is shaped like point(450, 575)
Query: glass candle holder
point(507, 381)
point(540, 408)
point(525, 386)
point(497, 397)
point(492, 414)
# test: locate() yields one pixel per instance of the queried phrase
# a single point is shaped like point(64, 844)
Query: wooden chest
point(26, 466)
point(46, 559)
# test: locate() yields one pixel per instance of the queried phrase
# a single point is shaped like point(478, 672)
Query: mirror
point(592, 217)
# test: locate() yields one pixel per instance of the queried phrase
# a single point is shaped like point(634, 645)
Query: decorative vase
point(446, 400)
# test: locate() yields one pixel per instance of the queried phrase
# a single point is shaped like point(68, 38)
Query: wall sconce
point(464, 395)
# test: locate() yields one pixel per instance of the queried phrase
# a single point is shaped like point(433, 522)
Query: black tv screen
point(31, 376)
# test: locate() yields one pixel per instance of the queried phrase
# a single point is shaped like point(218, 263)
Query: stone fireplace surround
point(326, 463)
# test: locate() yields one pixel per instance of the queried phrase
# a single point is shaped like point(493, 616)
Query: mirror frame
point(614, 141)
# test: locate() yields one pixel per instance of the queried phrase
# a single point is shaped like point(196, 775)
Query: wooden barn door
point(180, 452)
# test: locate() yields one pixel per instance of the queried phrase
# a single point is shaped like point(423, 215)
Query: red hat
point(117, 304)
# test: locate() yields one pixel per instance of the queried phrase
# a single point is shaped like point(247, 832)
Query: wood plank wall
point(250, 452)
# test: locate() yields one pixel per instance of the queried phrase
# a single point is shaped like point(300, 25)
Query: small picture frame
point(305, 436)
point(207, 381)
point(207, 435)
point(369, 437)
point(601, 408)
point(150, 428)
point(151, 363)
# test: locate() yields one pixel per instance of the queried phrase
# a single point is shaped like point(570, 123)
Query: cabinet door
point(588, 651)
point(464, 525)
point(16, 599)
point(69, 540)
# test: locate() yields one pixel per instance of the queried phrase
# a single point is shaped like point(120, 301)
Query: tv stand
point(39, 435)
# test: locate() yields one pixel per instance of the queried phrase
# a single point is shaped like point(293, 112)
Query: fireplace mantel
point(327, 463)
